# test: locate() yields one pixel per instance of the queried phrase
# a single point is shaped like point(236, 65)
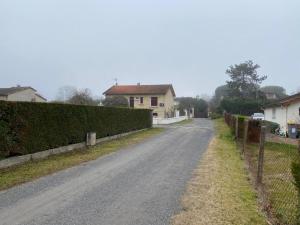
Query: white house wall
point(284, 115)
point(293, 113)
point(280, 116)
point(25, 96)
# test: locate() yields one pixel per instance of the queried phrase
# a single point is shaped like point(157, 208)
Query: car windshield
point(258, 114)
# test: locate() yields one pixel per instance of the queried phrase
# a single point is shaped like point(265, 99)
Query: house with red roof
point(159, 98)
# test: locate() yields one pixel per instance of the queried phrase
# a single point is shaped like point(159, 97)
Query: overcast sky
point(47, 44)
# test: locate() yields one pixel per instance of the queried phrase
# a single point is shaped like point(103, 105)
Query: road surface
point(138, 185)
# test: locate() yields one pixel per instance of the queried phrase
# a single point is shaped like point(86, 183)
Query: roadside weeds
point(220, 192)
point(30, 171)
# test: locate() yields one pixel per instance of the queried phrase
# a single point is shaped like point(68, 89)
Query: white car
point(258, 116)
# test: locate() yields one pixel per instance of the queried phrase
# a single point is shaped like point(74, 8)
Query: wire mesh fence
point(269, 162)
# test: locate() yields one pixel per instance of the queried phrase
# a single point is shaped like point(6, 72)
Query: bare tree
point(72, 95)
point(115, 101)
point(82, 97)
point(65, 93)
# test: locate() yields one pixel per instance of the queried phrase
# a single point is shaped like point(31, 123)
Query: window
point(162, 104)
point(141, 100)
point(274, 113)
point(154, 101)
point(155, 114)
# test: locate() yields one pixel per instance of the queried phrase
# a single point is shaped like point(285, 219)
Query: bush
point(241, 106)
point(296, 174)
point(214, 115)
point(31, 127)
point(271, 126)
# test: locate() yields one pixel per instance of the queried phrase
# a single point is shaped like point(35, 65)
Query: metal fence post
point(261, 155)
point(245, 139)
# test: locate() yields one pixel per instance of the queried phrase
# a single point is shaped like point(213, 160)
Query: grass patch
point(220, 192)
point(29, 171)
point(278, 180)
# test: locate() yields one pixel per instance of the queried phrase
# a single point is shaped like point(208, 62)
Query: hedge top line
point(67, 104)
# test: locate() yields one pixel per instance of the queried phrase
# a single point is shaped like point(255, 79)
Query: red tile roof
point(140, 89)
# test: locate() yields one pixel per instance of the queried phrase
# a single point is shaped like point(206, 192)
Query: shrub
point(271, 126)
point(214, 115)
point(32, 127)
point(241, 106)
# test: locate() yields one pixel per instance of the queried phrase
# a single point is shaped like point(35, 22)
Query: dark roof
point(12, 90)
point(140, 89)
point(272, 105)
point(285, 101)
point(290, 99)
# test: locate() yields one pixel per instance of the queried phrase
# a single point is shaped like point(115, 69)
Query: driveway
point(138, 185)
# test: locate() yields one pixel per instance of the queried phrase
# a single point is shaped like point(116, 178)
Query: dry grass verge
point(29, 171)
point(220, 192)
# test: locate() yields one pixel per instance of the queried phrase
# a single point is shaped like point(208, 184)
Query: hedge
point(32, 127)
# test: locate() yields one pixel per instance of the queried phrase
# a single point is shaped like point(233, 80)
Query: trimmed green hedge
point(31, 127)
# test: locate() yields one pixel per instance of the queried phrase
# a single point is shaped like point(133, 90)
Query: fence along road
point(138, 185)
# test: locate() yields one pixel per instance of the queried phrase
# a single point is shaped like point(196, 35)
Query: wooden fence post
point(245, 139)
point(261, 155)
point(236, 128)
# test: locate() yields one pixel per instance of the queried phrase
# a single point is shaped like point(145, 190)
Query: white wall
point(161, 121)
point(25, 96)
point(280, 116)
point(293, 113)
point(284, 115)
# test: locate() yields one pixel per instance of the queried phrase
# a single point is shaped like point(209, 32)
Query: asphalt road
point(138, 185)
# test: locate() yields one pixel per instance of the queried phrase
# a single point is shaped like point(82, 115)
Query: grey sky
point(87, 43)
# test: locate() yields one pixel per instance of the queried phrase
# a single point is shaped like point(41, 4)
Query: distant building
point(20, 94)
point(159, 98)
point(271, 96)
